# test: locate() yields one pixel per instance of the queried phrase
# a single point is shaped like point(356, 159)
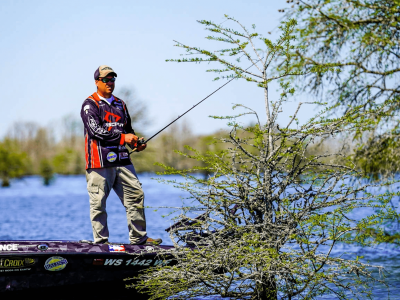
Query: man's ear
point(96, 83)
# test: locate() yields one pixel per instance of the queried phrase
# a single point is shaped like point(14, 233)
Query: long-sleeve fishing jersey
point(105, 128)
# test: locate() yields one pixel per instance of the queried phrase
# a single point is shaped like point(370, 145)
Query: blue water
point(60, 211)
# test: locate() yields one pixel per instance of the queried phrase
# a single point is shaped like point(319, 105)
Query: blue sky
point(50, 50)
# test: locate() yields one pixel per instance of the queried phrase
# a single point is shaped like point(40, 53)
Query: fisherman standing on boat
point(108, 166)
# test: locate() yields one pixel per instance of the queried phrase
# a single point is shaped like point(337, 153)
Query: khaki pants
point(124, 181)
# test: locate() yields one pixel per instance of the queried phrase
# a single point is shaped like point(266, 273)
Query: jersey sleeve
point(92, 122)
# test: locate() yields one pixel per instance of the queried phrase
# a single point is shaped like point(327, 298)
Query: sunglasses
point(105, 80)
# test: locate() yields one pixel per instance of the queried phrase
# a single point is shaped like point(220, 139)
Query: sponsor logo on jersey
point(123, 155)
point(110, 114)
point(55, 263)
point(114, 124)
point(9, 247)
point(111, 157)
point(95, 127)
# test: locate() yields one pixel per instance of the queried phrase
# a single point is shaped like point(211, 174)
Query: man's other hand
point(131, 139)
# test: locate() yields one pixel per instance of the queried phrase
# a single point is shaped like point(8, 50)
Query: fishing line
point(141, 142)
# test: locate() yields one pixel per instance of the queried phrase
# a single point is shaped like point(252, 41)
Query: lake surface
point(60, 211)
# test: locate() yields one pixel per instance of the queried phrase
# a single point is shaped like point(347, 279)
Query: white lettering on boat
point(113, 262)
point(136, 262)
point(109, 262)
point(9, 247)
point(118, 262)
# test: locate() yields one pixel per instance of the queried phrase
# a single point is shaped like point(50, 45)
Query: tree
point(12, 161)
point(46, 171)
point(272, 214)
point(361, 39)
point(137, 109)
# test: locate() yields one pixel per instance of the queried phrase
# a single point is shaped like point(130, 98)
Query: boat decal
point(113, 262)
point(9, 247)
point(116, 248)
point(55, 263)
point(130, 262)
point(16, 264)
point(98, 262)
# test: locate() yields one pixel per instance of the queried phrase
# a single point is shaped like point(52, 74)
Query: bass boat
point(83, 268)
point(53, 265)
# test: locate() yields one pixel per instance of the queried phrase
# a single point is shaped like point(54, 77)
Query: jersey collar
point(108, 101)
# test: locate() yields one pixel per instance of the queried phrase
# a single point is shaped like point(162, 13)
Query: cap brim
point(111, 73)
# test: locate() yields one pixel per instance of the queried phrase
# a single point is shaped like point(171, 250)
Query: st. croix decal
point(16, 264)
point(55, 263)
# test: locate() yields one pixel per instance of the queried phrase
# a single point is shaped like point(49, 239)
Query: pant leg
point(129, 190)
point(99, 184)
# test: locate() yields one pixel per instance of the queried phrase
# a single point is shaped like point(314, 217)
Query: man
point(108, 166)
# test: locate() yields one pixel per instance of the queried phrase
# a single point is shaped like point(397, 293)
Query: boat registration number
point(131, 262)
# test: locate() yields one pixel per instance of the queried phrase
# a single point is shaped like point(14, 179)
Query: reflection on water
point(60, 211)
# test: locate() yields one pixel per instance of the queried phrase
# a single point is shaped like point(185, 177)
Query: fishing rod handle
point(138, 143)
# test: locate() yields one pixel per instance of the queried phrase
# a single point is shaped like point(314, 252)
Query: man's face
point(105, 87)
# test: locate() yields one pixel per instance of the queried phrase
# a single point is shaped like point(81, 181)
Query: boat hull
point(36, 265)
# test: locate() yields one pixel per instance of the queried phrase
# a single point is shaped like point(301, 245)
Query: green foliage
point(379, 156)
point(287, 206)
point(66, 157)
point(276, 206)
point(13, 162)
point(360, 39)
point(46, 171)
point(68, 161)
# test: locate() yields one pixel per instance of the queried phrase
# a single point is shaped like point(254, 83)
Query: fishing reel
point(137, 144)
point(140, 142)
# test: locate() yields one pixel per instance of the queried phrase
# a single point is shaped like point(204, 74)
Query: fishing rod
point(141, 142)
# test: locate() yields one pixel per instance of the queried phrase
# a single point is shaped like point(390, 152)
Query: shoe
point(104, 243)
point(151, 242)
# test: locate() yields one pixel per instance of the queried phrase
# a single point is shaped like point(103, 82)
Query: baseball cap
point(103, 71)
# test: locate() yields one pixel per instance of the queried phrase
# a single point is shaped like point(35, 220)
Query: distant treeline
point(30, 149)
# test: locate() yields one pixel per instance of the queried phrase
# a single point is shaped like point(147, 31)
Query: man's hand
point(131, 139)
point(141, 147)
